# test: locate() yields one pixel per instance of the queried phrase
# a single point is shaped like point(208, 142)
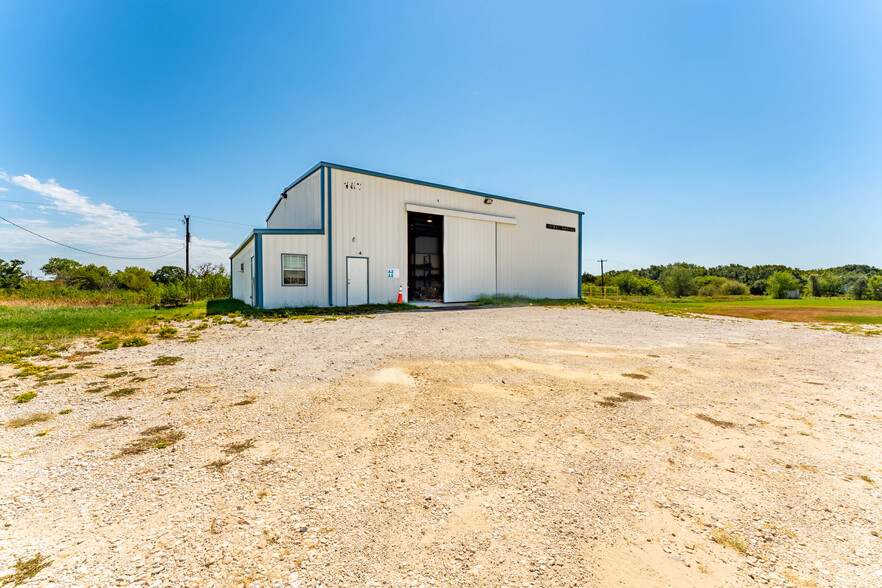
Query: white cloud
point(4, 189)
point(100, 227)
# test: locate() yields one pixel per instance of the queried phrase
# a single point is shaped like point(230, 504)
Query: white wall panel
point(302, 209)
point(369, 219)
point(469, 259)
point(315, 293)
point(241, 278)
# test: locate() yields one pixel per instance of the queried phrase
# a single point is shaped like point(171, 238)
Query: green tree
point(61, 269)
point(11, 274)
point(169, 274)
point(133, 278)
point(814, 285)
point(860, 289)
point(92, 277)
point(780, 283)
point(679, 282)
point(874, 287)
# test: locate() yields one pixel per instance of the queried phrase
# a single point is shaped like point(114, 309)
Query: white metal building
point(342, 236)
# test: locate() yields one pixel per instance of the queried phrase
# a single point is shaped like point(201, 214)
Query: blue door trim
point(258, 270)
point(348, 257)
point(330, 243)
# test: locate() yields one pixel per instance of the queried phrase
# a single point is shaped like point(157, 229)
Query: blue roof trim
point(275, 232)
point(433, 185)
point(297, 181)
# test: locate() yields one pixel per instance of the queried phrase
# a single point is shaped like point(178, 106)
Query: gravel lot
point(519, 446)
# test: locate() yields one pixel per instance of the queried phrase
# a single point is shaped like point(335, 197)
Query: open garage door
point(469, 258)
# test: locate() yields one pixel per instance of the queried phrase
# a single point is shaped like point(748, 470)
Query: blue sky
point(709, 132)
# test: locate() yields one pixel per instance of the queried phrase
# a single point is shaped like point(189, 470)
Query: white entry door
point(356, 281)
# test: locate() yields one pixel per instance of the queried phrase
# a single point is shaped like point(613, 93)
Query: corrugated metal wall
point(469, 259)
point(302, 209)
point(241, 279)
point(315, 293)
point(369, 219)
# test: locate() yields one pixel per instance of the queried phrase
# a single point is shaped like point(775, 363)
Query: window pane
point(294, 262)
point(294, 277)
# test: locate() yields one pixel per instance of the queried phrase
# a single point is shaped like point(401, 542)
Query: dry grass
point(234, 448)
point(25, 569)
point(109, 423)
point(245, 402)
point(723, 537)
point(158, 437)
point(218, 464)
point(37, 417)
point(713, 421)
point(635, 376)
point(121, 393)
point(166, 360)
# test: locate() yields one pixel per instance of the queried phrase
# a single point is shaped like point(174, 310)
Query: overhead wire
point(84, 250)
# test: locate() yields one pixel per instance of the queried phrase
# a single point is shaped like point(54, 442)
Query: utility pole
point(187, 253)
point(602, 283)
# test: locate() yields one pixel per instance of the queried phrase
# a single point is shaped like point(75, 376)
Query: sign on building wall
point(393, 273)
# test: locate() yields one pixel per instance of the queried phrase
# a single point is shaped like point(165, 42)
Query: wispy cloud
point(97, 227)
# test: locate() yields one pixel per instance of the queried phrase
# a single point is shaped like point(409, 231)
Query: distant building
point(342, 236)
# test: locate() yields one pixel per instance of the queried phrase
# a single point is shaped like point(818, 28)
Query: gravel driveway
point(490, 447)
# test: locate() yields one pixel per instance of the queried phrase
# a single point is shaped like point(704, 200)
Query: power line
point(83, 250)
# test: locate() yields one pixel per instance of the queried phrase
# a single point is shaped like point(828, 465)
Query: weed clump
point(218, 464)
point(65, 411)
point(121, 392)
point(245, 402)
point(713, 421)
point(135, 341)
point(25, 569)
point(167, 332)
point(166, 360)
point(729, 540)
point(109, 423)
point(22, 398)
point(57, 376)
point(635, 376)
point(26, 369)
point(108, 343)
point(158, 437)
point(37, 417)
point(115, 375)
point(234, 448)
point(97, 389)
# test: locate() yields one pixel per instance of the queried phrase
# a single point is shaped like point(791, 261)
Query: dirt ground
point(489, 447)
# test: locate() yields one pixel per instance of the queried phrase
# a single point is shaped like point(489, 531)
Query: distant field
point(825, 310)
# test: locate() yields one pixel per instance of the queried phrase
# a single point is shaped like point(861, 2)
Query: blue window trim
point(348, 257)
point(306, 269)
point(258, 269)
point(579, 245)
point(330, 245)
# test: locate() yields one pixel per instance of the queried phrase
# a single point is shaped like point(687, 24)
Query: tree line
point(861, 282)
point(71, 279)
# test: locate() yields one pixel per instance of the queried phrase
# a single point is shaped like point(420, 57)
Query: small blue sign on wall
point(393, 273)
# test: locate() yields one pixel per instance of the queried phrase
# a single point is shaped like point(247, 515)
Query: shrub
point(679, 282)
point(107, 343)
point(861, 289)
point(874, 287)
point(167, 332)
point(733, 288)
point(135, 341)
point(628, 283)
point(780, 283)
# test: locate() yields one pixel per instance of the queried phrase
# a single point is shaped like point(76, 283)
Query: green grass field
point(823, 310)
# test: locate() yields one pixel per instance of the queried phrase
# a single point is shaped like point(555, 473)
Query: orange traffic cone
point(400, 297)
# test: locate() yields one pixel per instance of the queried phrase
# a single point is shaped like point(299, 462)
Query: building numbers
point(352, 185)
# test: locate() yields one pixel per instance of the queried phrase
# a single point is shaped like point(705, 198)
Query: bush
point(874, 288)
point(135, 341)
point(861, 289)
point(679, 282)
point(26, 397)
point(814, 286)
point(733, 288)
point(167, 332)
point(780, 283)
point(632, 285)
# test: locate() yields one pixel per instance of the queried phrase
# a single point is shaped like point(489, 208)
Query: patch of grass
point(867, 479)
point(65, 411)
point(245, 402)
point(199, 327)
point(237, 308)
point(27, 369)
point(218, 464)
point(115, 375)
point(166, 360)
point(135, 341)
point(97, 389)
point(518, 300)
point(109, 423)
point(190, 339)
point(167, 332)
point(84, 365)
point(158, 437)
point(634, 376)
point(234, 448)
point(25, 569)
point(845, 416)
point(723, 537)
point(22, 398)
point(108, 343)
point(633, 396)
point(713, 421)
point(42, 433)
point(37, 417)
point(55, 376)
point(610, 401)
point(121, 393)
point(140, 379)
